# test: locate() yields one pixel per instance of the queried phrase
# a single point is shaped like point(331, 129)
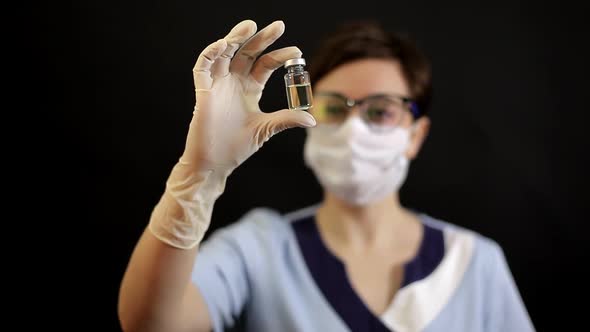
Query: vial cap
point(293, 62)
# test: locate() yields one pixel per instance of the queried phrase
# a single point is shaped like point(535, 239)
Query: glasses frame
point(350, 103)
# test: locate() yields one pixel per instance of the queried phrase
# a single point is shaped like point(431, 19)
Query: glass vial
point(298, 85)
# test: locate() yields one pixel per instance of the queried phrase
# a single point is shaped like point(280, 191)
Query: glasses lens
point(384, 112)
point(329, 109)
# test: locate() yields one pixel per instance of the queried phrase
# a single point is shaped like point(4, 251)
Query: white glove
point(227, 127)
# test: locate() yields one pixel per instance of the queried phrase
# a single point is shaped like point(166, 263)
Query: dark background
point(506, 155)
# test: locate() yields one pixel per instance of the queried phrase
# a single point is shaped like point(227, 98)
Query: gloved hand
point(227, 127)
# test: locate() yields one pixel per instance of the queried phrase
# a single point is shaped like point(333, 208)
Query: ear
point(418, 134)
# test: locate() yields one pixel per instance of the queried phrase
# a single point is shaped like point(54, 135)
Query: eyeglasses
point(381, 110)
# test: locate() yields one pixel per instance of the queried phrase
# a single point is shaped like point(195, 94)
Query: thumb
point(285, 119)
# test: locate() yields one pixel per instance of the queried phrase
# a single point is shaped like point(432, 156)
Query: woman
point(358, 261)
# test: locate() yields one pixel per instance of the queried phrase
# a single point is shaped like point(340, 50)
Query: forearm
point(155, 284)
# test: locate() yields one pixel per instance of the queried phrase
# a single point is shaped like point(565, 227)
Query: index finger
point(243, 61)
point(241, 33)
point(202, 69)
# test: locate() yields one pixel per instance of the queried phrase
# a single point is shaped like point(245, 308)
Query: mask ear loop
point(403, 161)
point(413, 128)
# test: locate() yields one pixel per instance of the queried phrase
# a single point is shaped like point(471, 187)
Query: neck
point(361, 227)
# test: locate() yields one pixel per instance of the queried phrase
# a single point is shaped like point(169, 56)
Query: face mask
point(356, 164)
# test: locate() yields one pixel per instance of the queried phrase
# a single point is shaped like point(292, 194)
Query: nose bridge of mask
point(355, 130)
point(355, 134)
point(353, 127)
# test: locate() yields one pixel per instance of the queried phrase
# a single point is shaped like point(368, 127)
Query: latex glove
point(227, 127)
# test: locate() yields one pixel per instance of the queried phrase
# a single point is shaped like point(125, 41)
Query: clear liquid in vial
point(299, 97)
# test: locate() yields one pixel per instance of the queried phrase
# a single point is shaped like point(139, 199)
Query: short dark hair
point(355, 40)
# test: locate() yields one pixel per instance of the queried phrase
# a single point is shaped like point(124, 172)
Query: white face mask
point(356, 164)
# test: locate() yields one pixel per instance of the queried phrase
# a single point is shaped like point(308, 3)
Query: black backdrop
point(505, 155)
